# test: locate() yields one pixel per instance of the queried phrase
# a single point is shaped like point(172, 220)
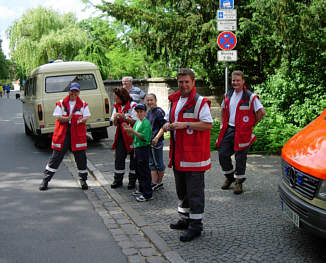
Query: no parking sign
point(226, 40)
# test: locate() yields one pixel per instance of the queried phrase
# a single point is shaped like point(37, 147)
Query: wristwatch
point(188, 125)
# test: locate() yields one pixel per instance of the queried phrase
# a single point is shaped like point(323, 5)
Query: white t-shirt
point(204, 114)
point(59, 111)
point(234, 101)
point(130, 113)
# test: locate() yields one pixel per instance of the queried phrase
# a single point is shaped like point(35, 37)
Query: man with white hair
point(136, 93)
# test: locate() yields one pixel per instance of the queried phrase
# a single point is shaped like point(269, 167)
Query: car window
point(61, 83)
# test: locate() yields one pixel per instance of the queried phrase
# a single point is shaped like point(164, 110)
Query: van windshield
point(61, 83)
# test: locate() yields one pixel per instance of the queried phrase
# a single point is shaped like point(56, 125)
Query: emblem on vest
point(189, 131)
point(245, 118)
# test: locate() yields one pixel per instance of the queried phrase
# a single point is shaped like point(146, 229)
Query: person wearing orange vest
point(71, 114)
point(123, 114)
point(189, 120)
point(241, 110)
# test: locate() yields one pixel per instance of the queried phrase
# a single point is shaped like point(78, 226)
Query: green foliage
point(4, 64)
point(180, 33)
point(41, 35)
point(215, 131)
point(272, 132)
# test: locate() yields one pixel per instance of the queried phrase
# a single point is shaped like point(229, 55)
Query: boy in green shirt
point(142, 134)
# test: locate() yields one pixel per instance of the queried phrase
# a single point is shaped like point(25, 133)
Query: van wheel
point(99, 133)
point(27, 130)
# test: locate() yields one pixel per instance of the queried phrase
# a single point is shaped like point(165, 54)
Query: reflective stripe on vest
point(58, 145)
point(248, 143)
point(195, 164)
point(79, 145)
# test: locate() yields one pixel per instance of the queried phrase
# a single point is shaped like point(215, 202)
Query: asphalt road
point(237, 228)
point(59, 225)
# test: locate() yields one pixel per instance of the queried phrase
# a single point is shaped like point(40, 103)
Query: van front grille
point(304, 184)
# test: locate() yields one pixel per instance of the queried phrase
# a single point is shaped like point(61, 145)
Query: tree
point(4, 64)
point(182, 33)
point(41, 35)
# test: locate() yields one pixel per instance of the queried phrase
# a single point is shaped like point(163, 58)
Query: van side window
point(34, 86)
point(61, 83)
point(27, 88)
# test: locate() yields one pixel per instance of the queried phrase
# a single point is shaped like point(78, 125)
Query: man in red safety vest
point(189, 120)
point(241, 110)
point(71, 114)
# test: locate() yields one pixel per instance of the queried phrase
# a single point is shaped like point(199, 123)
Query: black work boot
point(189, 235)
point(45, 181)
point(116, 184)
point(44, 185)
point(228, 181)
point(182, 224)
point(83, 184)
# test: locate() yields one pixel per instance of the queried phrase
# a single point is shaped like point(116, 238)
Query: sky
point(11, 10)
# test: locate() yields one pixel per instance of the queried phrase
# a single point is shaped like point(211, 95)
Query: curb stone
point(131, 214)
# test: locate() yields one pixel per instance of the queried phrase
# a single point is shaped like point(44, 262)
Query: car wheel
point(27, 130)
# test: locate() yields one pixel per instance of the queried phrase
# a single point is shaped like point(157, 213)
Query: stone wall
point(162, 88)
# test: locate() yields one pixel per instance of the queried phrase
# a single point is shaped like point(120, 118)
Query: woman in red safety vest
point(123, 112)
point(71, 114)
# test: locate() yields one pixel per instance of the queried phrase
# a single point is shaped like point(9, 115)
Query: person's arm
point(197, 126)
point(141, 135)
point(157, 137)
point(63, 119)
point(82, 120)
point(260, 114)
point(222, 114)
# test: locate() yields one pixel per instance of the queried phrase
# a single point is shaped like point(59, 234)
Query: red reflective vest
point(245, 120)
point(189, 149)
point(78, 131)
point(127, 139)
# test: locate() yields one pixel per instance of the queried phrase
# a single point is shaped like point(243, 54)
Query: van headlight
point(322, 191)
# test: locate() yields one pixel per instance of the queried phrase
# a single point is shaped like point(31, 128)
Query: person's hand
point(178, 125)
point(154, 141)
point(127, 127)
point(166, 127)
point(80, 120)
point(121, 116)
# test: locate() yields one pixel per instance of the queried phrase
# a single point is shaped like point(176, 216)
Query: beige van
point(49, 83)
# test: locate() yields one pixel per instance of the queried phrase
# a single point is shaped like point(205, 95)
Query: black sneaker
point(141, 198)
point(156, 187)
point(136, 193)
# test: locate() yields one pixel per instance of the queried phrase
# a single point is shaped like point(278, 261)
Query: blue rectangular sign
point(226, 4)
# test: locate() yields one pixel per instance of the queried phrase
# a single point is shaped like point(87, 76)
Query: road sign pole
point(226, 76)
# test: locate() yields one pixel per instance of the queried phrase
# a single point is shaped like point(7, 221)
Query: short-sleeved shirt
point(58, 111)
point(145, 129)
point(136, 94)
point(156, 118)
point(204, 114)
point(234, 101)
point(130, 113)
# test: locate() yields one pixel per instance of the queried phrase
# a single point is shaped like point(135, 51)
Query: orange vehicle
point(303, 184)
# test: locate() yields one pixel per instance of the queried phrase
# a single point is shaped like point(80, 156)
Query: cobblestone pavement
point(237, 228)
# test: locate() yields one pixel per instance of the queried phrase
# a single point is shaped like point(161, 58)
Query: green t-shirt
point(145, 129)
